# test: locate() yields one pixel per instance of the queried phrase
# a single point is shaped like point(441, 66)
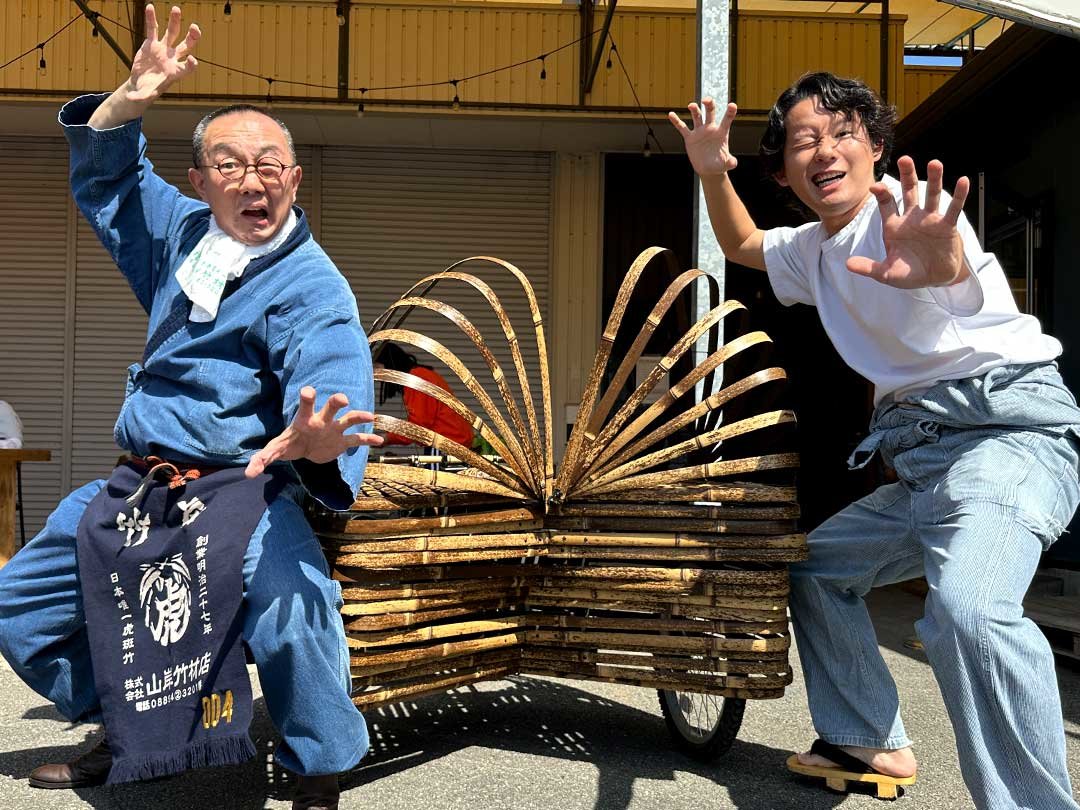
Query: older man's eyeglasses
point(266, 168)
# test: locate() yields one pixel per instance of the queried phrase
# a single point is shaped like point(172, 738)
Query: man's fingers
point(307, 404)
point(353, 418)
point(150, 21)
point(695, 114)
point(172, 31)
point(729, 116)
point(679, 124)
point(885, 200)
point(710, 109)
point(959, 197)
point(934, 171)
point(185, 48)
point(909, 183)
point(363, 439)
point(255, 466)
point(334, 404)
point(861, 265)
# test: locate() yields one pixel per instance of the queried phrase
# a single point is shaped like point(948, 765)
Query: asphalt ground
point(536, 744)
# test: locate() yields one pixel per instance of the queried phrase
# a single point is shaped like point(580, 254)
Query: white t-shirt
point(903, 341)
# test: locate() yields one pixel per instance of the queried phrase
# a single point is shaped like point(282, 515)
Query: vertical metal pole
point(885, 50)
point(712, 80)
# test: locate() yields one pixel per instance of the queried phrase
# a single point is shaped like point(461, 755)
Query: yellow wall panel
point(920, 82)
point(399, 45)
point(775, 49)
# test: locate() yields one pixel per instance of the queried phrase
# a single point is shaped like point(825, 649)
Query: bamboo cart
point(648, 557)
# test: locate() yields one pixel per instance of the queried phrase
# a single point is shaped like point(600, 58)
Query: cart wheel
point(703, 726)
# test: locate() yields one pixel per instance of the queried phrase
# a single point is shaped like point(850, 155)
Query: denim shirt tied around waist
point(215, 393)
point(1025, 397)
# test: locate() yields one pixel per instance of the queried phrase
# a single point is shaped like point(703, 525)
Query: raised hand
point(317, 436)
point(159, 64)
point(707, 143)
point(922, 247)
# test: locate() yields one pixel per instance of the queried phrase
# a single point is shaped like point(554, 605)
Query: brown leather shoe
point(316, 793)
point(89, 770)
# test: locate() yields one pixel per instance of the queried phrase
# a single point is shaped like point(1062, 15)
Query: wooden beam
point(92, 16)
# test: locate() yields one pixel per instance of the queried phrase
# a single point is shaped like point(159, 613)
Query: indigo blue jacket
point(215, 393)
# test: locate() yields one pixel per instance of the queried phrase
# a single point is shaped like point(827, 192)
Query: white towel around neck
point(216, 260)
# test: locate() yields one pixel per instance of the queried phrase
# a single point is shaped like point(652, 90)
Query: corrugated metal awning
point(1060, 16)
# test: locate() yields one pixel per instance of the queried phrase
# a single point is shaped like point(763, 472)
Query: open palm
point(707, 142)
point(158, 64)
point(922, 247)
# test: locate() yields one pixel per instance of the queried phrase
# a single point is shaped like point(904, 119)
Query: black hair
point(848, 96)
point(397, 359)
point(198, 137)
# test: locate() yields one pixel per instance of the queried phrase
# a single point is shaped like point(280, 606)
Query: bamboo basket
point(646, 557)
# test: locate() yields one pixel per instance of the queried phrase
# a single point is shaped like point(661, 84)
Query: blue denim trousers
point(291, 625)
point(987, 473)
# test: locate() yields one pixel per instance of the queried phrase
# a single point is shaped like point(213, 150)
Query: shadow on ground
point(538, 717)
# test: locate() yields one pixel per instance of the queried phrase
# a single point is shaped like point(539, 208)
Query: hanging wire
point(456, 103)
point(43, 43)
point(641, 110)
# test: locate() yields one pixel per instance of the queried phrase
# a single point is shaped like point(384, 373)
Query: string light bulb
point(646, 150)
point(456, 103)
point(228, 11)
point(340, 13)
point(41, 61)
point(543, 67)
point(269, 94)
point(609, 53)
point(93, 17)
point(360, 106)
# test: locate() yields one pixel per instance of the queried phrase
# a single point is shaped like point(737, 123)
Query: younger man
point(971, 413)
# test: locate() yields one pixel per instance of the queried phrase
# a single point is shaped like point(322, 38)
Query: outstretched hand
point(317, 436)
point(158, 64)
point(922, 247)
point(707, 142)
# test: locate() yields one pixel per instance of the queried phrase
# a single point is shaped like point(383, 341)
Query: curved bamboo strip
point(442, 480)
point(609, 445)
point(571, 458)
point(449, 400)
point(461, 370)
point(466, 326)
point(659, 371)
point(430, 438)
point(740, 428)
point(652, 321)
point(714, 469)
point(711, 403)
point(429, 282)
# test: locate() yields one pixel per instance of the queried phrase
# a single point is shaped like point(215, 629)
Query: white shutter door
point(391, 217)
point(110, 328)
point(33, 262)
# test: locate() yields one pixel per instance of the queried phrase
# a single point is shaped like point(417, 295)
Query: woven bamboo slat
point(647, 556)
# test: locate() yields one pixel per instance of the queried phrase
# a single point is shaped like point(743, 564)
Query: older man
point(248, 320)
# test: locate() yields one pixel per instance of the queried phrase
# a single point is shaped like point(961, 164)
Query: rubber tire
point(718, 742)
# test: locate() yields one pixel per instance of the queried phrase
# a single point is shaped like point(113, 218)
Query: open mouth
point(255, 213)
point(827, 179)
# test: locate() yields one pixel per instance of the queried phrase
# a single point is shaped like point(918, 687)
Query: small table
point(9, 459)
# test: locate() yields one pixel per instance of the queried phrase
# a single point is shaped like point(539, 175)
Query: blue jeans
point(291, 625)
point(973, 510)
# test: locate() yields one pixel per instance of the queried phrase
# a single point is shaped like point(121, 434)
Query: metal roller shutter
point(391, 217)
point(33, 317)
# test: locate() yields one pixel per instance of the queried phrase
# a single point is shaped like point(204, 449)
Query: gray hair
point(198, 137)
